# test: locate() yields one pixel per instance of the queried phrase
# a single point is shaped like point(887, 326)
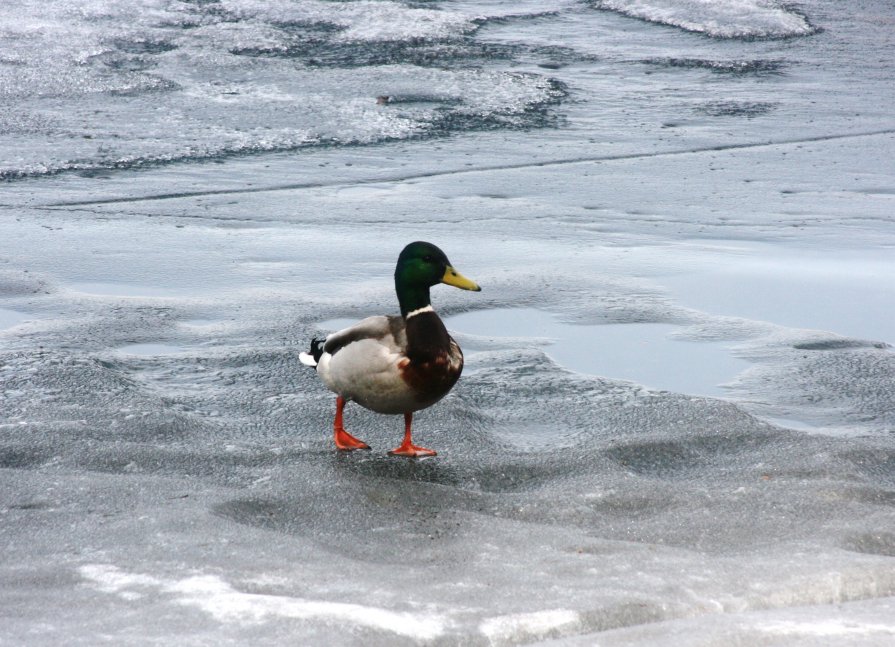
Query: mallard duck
point(392, 364)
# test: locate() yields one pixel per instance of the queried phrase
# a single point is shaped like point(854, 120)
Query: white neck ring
point(420, 311)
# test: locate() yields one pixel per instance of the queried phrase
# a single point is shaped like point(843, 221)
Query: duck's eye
point(427, 258)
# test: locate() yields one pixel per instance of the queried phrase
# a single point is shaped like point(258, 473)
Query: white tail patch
point(307, 359)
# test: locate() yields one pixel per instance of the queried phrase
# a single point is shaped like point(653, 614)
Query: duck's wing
point(389, 331)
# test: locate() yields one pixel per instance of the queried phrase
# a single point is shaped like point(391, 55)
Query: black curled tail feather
point(312, 357)
point(317, 348)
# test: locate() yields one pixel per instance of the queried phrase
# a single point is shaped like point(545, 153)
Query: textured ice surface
point(166, 467)
point(93, 85)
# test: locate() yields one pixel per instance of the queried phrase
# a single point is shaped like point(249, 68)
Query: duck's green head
point(420, 266)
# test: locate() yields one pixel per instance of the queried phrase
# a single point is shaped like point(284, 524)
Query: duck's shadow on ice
point(507, 473)
point(427, 470)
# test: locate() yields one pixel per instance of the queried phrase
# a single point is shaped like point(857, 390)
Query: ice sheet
point(167, 473)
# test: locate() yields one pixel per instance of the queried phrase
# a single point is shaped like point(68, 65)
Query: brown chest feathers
point(434, 360)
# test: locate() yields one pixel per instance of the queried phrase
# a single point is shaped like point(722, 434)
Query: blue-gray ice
point(676, 425)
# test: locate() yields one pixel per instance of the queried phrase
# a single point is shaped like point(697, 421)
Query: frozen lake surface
point(646, 353)
point(675, 424)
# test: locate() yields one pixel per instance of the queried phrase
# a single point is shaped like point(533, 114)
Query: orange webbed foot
point(345, 441)
point(407, 447)
point(412, 451)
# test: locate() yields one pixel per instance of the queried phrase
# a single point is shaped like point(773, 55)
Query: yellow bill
point(453, 277)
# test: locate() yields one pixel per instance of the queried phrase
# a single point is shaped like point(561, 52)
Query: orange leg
point(407, 448)
point(344, 440)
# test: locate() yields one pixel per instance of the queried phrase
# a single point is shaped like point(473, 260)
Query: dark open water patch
point(741, 67)
point(839, 344)
point(747, 109)
point(452, 53)
point(144, 47)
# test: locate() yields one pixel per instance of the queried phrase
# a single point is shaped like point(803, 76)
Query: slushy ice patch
point(182, 82)
point(724, 19)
